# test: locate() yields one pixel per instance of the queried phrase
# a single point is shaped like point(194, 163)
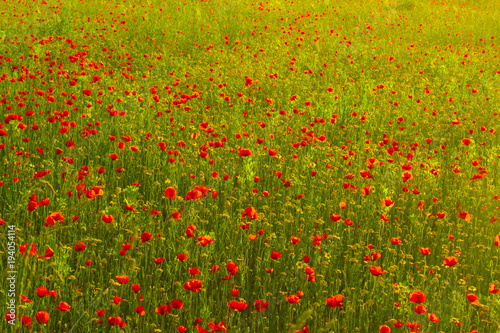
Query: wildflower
point(376, 271)
point(63, 306)
point(42, 317)
point(450, 261)
point(80, 246)
point(417, 297)
point(260, 305)
point(335, 301)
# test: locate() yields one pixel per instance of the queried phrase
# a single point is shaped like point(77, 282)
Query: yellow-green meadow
point(237, 166)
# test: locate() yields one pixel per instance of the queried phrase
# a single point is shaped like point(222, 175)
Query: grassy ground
point(324, 166)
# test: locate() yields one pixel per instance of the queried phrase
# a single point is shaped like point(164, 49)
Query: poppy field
point(249, 166)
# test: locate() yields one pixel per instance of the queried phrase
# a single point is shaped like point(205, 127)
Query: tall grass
point(334, 164)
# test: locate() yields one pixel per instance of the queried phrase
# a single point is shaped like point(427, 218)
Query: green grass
point(344, 91)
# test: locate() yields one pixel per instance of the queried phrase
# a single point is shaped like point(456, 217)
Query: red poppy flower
point(41, 292)
point(260, 305)
point(450, 261)
point(115, 321)
point(464, 215)
point(396, 241)
point(159, 260)
point(113, 156)
point(441, 214)
point(194, 285)
point(218, 327)
point(275, 255)
point(388, 203)
point(376, 271)
point(417, 297)
point(146, 236)
point(176, 215)
point(140, 310)
point(244, 152)
point(251, 213)
point(176, 304)
point(10, 316)
point(348, 222)
point(497, 240)
point(472, 298)
point(204, 240)
point(189, 232)
point(193, 195)
point(309, 271)
point(398, 324)
point(384, 329)
point(420, 309)
point(33, 250)
point(42, 317)
point(413, 326)
point(365, 191)
point(53, 293)
point(52, 218)
point(232, 268)
point(194, 271)
point(238, 306)
point(335, 217)
point(203, 189)
point(163, 309)
point(63, 306)
point(425, 251)
point(170, 193)
point(32, 205)
point(122, 279)
point(108, 218)
point(26, 320)
point(25, 299)
point(493, 289)
point(335, 301)
point(433, 317)
point(294, 299)
point(80, 246)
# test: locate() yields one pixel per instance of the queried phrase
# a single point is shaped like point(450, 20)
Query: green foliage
point(395, 97)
